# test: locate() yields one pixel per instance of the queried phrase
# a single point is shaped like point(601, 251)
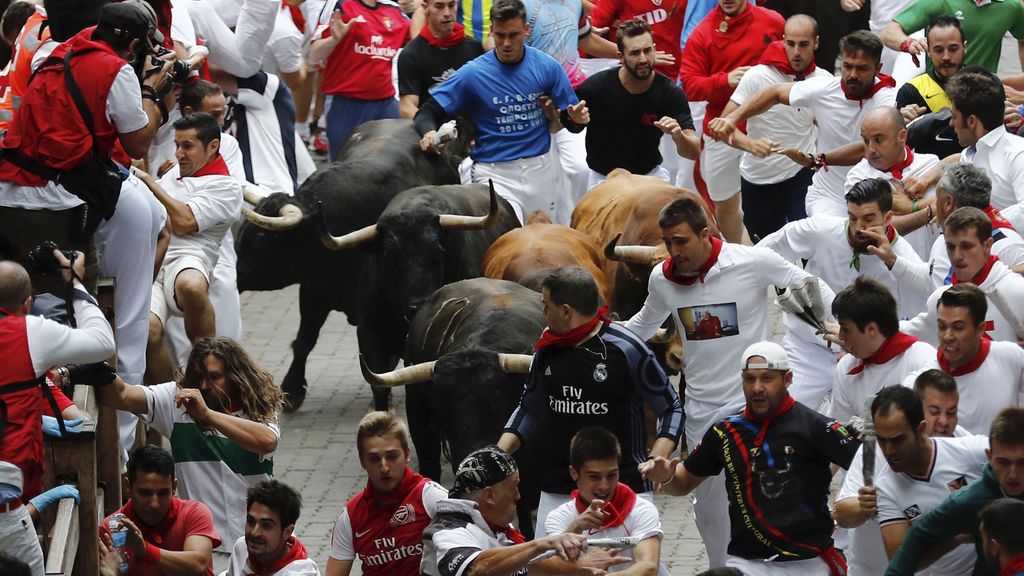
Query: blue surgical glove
point(52, 428)
point(54, 495)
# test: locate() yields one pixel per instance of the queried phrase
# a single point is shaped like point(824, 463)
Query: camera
point(43, 261)
point(179, 70)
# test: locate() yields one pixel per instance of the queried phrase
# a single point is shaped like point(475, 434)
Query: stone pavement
point(317, 454)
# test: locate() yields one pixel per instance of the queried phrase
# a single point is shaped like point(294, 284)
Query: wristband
point(819, 162)
point(905, 45)
point(929, 214)
point(150, 93)
point(152, 555)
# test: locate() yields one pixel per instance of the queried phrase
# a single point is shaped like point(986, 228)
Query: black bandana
point(482, 468)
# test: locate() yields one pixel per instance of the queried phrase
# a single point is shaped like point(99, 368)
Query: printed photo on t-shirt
point(709, 321)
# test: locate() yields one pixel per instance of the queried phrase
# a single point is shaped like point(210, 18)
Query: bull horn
point(401, 377)
point(289, 216)
point(664, 335)
point(250, 194)
point(515, 363)
point(350, 240)
point(459, 222)
point(646, 255)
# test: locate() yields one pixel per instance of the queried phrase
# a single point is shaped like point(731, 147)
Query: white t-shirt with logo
point(850, 392)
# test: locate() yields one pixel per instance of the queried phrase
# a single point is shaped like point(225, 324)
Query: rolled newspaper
point(1001, 304)
point(623, 542)
point(868, 439)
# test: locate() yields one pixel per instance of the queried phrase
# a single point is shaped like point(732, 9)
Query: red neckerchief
point(1013, 567)
point(409, 481)
point(515, 536)
point(882, 81)
point(666, 266)
point(896, 344)
point(618, 508)
point(785, 406)
point(982, 275)
point(5, 311)
point(775, 55)
point(549, 339)
point(998, 221)
point(297, 17)
point(983, 348)
point(458, 35)
point(154, 534)
point(897, 170)
point(215, 167)
point(296, 551)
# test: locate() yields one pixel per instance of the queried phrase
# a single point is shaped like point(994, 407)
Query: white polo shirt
point(790, 126)
point(1001, 155)
point(922, 238)
point(987, 388)
point(642, 521)
point(838, 120)
point(883, 11)
point(850, 392)
point(1010, 284)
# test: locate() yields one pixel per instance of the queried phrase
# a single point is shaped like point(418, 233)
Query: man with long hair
point(221, 417)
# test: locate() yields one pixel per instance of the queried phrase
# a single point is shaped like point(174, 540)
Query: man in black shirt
point(776, 457)
point(926, 92)
point(631, 107)
point(429, 59)
point(589, 372)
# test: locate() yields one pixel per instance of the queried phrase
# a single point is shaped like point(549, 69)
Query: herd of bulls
point(442, 276)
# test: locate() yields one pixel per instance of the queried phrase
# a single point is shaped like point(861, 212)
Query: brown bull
point(526, 255)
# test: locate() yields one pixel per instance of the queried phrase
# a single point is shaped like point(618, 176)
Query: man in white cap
point(776, 456)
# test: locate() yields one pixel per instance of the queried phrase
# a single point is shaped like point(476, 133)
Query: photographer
point(70, 126)
point(29, 346)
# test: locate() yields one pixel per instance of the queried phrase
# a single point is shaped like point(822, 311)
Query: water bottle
point(119, 537)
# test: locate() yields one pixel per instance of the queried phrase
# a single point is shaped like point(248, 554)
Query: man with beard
point(772, 186)
point(781, 451)
point(968, 234)
point(631, 107)
point(946, 47)
point(914, 473)
point(989, 375)
point(269, 547)
point(838, 105)
point(887, 156)
point(1003, 476)
point(836, 250)
point(166, 535)
point(718, 53)
point(221, 417)
point(1002, 539)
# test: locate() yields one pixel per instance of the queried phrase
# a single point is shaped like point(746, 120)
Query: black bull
point(427, 237)
point(381, 159)
point(462, 395)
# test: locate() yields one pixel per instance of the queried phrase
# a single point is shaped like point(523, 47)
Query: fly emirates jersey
point(991, 381)
point(360, 65)
point(387, 533)
point(838, 117)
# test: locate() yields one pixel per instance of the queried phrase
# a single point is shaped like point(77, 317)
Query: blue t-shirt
point(503, 102)
point(556, 27)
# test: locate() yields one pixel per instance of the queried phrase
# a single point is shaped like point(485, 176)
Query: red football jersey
point(389, 539)
point(360, 66)
point(665, 17)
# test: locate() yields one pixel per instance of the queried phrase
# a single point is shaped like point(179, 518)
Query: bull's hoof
point(293, 400)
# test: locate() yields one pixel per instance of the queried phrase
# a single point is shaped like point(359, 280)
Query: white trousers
point(527, 184)
point(574, 174)
point(710, 501)
point(549, 501)
point(127, 248)
point(658, 172)
point(18, 539)
point(809, 567)
point(684, 167)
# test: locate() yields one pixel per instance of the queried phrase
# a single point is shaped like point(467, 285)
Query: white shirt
point(851, 392)
point(202, 472)
point(466, 540)
point(925, 277)
point(985, 391)
point(265, 128)
point(239, 565)
point(215, 201)
point(922, 238)
point(734, 291)
point(904, 498)
point(1009, 284)
point(883, 11)
point(284, 51)
point(124, 111)
point(1001, 155)
point(642, 521)
point(52, 344)
point(790, 126)
point(838, 120)
point(342, 547)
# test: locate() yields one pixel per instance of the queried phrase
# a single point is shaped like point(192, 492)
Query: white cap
point(773, 354)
